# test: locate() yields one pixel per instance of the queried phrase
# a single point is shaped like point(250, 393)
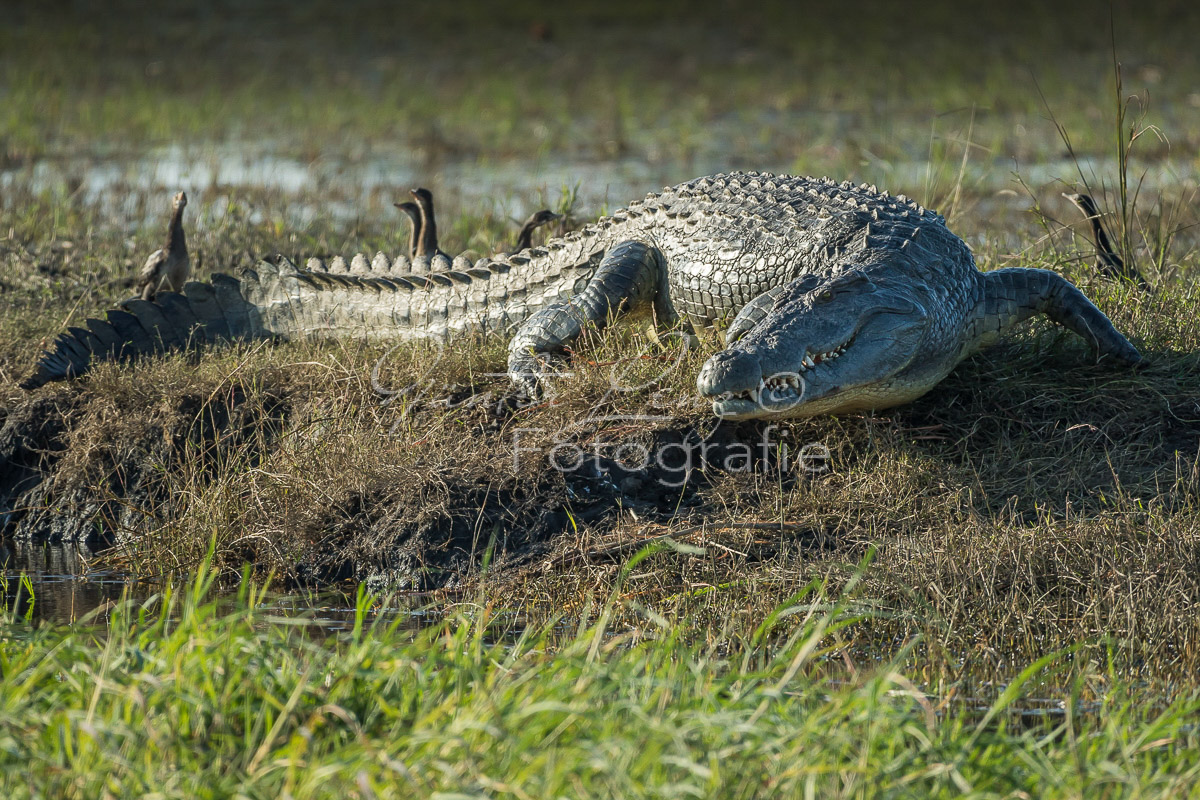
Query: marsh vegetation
point(1032, 510)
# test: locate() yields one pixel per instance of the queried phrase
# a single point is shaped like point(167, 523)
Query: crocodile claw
point(533, 374)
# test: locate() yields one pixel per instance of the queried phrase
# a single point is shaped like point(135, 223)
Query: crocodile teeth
point(826, 356)
point(781, 383)
point(811, 361)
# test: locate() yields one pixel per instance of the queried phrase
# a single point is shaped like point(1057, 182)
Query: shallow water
point(63, 588)
point(333, 186)
point(54, 584)
point(342, 187)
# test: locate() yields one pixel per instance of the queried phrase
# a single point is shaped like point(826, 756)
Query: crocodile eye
point(825, 296)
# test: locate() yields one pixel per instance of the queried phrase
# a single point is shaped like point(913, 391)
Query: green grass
point(470, 81)
point(181, 696)
point(1032, 510)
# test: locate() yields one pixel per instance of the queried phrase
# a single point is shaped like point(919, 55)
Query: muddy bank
point(291, 459)
point(77, 468)
point(122, 472)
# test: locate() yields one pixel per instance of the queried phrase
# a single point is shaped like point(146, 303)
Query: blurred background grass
point(816, 86)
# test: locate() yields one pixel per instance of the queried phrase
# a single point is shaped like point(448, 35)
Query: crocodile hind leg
point(629, 276)
point(1015, 295)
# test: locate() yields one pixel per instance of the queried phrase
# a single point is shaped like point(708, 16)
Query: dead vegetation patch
point(1030, 501)
point(91, 464)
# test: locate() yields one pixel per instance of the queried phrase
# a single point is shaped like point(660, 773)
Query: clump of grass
point(181, 696)
point(1165, 221)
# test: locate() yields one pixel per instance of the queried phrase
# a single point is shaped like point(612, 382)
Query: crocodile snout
point(729, 371)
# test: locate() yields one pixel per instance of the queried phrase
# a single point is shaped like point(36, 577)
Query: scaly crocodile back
point(724, 238)
point(278, 301)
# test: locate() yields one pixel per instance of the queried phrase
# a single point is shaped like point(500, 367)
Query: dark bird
point(538, 219)
point(427, 245)
point(1108, 261)
point(413, 213)
point(168, 268)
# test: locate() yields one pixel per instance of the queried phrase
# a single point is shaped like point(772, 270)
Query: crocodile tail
point(213, 311)
point(275, 300)
point(219, 310)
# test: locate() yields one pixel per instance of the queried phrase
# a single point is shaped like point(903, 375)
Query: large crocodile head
point(818, 345)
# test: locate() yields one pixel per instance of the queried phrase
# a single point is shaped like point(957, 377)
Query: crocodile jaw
point(782, 370)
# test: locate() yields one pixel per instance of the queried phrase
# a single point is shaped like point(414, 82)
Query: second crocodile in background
point(837, 297)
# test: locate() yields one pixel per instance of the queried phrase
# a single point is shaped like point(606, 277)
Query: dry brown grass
point(1030, 502)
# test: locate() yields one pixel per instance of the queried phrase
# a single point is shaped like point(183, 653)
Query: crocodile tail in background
point(275, 300)
point(208, 312)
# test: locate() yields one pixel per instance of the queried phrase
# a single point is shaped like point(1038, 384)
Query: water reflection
point(55, 584)
point(331, 187)
point(63, 588)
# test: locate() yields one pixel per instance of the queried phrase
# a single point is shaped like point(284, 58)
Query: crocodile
point(836, 297)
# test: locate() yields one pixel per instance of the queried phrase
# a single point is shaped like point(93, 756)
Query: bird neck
point(414, 239)
point(175, 237)
point(525, 237)
point(429, 237)
point(1103, 246)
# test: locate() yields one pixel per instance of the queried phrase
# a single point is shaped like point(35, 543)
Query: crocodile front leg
point(630, 275)
point(1014, 295)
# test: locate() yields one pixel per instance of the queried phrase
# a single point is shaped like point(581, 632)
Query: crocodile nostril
point(729, 371)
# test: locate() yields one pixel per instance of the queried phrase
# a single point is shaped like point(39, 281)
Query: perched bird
point(425, 241)
point(538, 219)
point(1107, 260)
point(413, 213)
point(427, 245)
point(168, 268)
